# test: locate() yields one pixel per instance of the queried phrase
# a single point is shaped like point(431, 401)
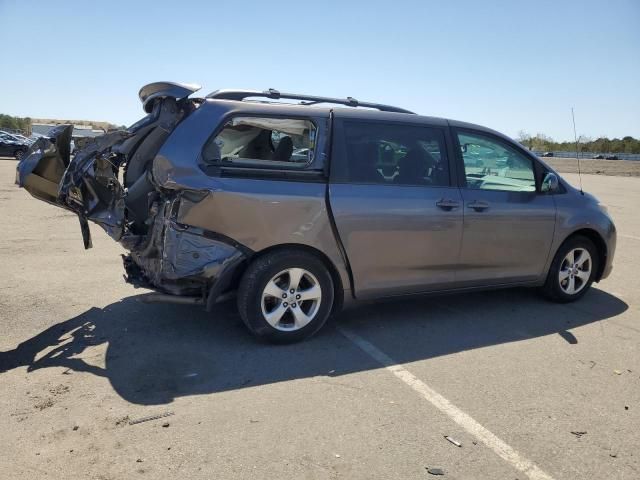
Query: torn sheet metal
point(180, 259)
point(107, 182)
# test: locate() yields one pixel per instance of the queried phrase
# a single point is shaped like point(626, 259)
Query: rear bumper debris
point(182, 260)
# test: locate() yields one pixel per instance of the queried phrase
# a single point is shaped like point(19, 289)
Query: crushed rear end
point(109, 182)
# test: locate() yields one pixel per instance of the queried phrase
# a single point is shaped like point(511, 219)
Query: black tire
point(552, 288)
point(18, 154)
point(262, 271)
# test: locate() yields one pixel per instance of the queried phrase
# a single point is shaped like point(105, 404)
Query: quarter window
point(262, 141)
point(490, 164)
point(392, 154)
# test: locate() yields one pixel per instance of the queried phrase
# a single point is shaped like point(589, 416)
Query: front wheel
point(285, 296)
point(572, 271)
point(18, 154)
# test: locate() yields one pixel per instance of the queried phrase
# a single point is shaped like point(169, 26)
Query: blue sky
point(509, 65)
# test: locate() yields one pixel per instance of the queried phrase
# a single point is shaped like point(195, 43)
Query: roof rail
point(305, 99)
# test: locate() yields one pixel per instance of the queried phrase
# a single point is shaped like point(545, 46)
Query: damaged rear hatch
point(107, 180)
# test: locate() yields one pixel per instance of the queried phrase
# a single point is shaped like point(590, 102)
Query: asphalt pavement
point(529, 389)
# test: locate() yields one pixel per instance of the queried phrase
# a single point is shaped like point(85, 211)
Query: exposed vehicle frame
point(198, 231)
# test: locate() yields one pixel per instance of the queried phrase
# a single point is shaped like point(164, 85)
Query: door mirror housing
point(550, 183)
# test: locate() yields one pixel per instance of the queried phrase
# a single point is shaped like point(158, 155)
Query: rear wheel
point(572, 271)
point(285, 296)
point(18, 154)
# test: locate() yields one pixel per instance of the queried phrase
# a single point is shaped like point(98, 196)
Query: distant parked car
point(611, 157)
point(547, 154)
point(36, 136)
point(26, 140)
point(12, 147)
point(17, 137)
point(598, 157)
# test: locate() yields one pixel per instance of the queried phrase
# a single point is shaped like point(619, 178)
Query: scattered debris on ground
point(122, 421)
point(46, 403)
point(455, 442)
point(435, 471)
point(59, 389)
point(150, 417)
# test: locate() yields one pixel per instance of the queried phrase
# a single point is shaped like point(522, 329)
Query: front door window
point(490, 164)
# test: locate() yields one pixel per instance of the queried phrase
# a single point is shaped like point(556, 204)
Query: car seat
point(283, 150)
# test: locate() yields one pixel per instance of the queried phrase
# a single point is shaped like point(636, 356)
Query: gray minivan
point(297, 205)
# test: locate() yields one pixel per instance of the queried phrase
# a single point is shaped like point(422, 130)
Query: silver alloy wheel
point(291, 299)
point(575, 271)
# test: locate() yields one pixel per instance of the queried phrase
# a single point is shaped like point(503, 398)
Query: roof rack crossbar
point(305, 99)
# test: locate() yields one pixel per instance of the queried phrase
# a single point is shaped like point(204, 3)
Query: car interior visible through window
point(395, 154)
point(267, 142)
point(490, 164)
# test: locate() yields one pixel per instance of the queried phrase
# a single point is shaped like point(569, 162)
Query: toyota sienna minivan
point(298, 205)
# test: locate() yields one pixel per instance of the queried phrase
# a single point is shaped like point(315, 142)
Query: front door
point(397, 215)
point(508, 224)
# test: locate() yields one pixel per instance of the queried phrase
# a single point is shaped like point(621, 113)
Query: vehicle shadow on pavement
point(156, 352)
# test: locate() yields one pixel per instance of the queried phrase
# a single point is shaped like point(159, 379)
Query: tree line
point(544, 143)
point(7, 122)
point(538, 142)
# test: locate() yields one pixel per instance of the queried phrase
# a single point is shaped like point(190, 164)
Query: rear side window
point(390, 154)
point(262, 142)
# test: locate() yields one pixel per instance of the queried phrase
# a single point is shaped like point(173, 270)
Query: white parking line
point(499, 447)
point(628, 236)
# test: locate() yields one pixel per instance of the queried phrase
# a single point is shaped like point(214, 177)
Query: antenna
point(575, 135)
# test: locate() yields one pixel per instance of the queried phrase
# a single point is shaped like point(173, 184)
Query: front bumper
point(611, 240)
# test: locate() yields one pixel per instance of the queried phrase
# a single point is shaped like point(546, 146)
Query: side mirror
point(550, 183)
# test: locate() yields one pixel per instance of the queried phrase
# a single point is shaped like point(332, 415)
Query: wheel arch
point(599, 243)
point(338, 287)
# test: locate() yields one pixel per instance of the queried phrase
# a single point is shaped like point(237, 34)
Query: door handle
point(447, 204)
point(478, 205)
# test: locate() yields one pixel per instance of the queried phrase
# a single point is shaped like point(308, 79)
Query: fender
point(573, 216)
